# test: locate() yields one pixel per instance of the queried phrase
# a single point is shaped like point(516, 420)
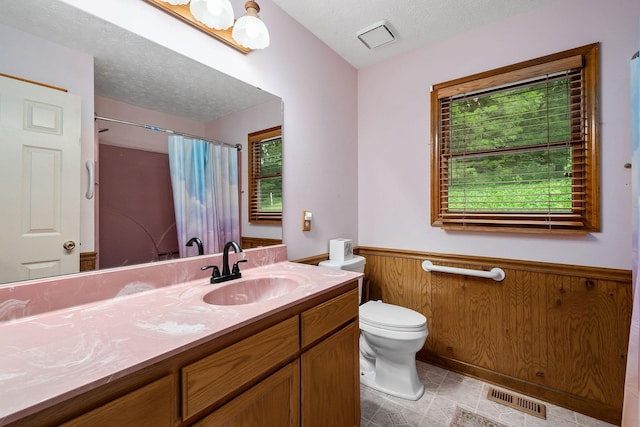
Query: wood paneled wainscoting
point(257, 242)
point(552, 331)
point(88, 261)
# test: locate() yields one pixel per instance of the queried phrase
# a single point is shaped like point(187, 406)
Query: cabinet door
point(272, 402)
point(153, 405)
point(330, 382)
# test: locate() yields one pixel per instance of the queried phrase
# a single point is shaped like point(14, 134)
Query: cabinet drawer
point(210, 379)
point(327, 317)
point(152, 405)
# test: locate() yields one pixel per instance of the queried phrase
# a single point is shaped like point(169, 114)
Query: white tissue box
point(340, 249)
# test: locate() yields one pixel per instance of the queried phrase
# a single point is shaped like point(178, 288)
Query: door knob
point(69, 245)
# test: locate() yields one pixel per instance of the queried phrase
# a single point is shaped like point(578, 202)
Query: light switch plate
point(306, 220)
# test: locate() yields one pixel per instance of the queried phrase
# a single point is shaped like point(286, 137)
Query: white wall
point(319, 91)
point(23, 55)
point(394, 133)
point(122, 135)
point(356, 144)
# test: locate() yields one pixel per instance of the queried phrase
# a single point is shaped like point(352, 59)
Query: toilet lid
point(389, 316)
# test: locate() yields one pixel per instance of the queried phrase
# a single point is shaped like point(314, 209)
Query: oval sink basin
point(251, 290)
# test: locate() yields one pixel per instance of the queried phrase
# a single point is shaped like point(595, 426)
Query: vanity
point(166, 357)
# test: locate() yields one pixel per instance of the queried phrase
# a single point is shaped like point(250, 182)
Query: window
point(516, 148)
point(265, 175)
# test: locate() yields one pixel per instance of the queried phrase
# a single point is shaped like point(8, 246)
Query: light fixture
point(216, 14)
point(216, 18)
point(249, 30)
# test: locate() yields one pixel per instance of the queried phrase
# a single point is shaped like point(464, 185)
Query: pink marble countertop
point(52, 356)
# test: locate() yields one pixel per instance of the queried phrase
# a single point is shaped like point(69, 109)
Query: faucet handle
point(215, 274)
point(236, 268)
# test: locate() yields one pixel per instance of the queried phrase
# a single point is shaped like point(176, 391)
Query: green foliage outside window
point(270, 176)
point(510, 150)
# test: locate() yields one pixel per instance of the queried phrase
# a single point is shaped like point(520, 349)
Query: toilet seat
point(391, 317)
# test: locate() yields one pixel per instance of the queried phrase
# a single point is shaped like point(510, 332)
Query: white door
point(39, 181)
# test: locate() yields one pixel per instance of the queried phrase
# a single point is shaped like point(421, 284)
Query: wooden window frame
point(256, 216)
point(589, 217)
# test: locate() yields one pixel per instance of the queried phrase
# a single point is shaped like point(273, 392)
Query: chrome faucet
point(198, 242)
point(227, 273)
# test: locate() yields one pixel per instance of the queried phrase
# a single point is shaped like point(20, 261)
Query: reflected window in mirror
point(265, 176)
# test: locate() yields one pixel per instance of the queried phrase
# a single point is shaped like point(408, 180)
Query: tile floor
point(444, 390)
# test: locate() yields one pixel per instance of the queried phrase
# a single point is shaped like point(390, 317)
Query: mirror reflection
point(132, 218)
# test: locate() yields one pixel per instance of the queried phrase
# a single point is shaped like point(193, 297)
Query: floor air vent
point(516, 402)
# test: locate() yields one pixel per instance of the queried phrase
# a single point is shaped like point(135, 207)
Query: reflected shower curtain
point(204, 179)
point(630, 414)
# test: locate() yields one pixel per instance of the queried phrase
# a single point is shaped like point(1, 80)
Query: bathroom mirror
point(131, 70)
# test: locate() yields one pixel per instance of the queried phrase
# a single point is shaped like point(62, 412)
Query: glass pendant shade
point(249, 30)
point(216, 14)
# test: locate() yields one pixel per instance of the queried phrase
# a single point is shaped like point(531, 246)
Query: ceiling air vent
point(376, 35)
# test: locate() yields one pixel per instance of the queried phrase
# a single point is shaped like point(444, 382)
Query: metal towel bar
point(496, 274)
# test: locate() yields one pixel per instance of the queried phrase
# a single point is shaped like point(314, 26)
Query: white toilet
point(390, 336)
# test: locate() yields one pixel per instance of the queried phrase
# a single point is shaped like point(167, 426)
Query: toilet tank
point(355, 264)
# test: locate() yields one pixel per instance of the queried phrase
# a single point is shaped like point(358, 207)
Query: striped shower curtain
point(204, 179)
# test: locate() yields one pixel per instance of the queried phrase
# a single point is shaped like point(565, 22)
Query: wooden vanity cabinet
point(212, 379)
point(275, 401)
point(153, 405)
point(330, 383)
point(303, 370)
point(320, 388)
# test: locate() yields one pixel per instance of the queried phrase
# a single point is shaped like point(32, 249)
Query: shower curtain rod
point(173, 132)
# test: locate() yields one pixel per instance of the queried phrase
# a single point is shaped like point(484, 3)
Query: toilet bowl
point(390, 337)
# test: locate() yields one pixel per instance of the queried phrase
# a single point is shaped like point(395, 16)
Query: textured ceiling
point(416, 22)
point(132, 69)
